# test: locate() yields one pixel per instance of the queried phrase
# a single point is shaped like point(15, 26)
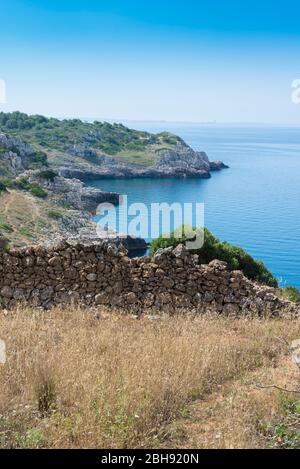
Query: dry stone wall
point(98, 273)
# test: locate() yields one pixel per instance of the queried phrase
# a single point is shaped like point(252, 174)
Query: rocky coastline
point(60, 162)
point(181, 163)
point(82, 202)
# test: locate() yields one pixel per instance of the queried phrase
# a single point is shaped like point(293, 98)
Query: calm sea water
point(254, 204)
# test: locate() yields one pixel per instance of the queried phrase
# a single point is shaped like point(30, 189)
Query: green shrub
point(37, 191)
point(48, 174)
point(25, 231)
point(285, 434)
point(40, 159)
point(32, 187)
point(7, 182)
point(33, 439)
point(55, 214)
point(6, 227)
point(2, 187)
point(22, 184)
point(213, 248)
point(135, 146)
point(169, 138)
point(290, 293)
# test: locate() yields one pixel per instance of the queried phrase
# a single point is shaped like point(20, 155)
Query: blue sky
point(224, 61)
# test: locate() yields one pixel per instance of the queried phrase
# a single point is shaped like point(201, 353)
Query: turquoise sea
point(254, 204)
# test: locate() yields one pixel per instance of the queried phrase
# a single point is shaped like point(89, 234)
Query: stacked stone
point(99, 273)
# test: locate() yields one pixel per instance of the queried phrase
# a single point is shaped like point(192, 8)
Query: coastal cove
point(254, 204)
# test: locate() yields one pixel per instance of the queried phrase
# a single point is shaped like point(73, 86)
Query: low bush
point(32, 187)
point(7, 182)
point(22, 183)
point(55, 214)
point(236, 257)
point(285, 433)
point(2, 187)
point(6, 227)
point(47, 174)
point(40, 159)
point(25, 231)
point(290, 293)
point(37, 191)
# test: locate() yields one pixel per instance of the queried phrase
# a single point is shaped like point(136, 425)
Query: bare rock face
point(72, 193)
point(166, 157)
point(219, 265)
point(181, 161)
point(3, 243)
point(185, 162)
point(217, 165)
point(16, 154)
point(78, 202)
point(92, 197)
point(99, 273)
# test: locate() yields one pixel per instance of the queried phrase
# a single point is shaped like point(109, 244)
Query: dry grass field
point(84, 378)
point(24, 219)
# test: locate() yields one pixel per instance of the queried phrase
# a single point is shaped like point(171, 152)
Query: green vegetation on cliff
point(56, 136)
point(213, 248)
point(2, 187)
point(25, 219)
point(290, 293)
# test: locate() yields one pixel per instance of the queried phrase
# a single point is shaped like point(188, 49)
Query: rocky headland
point(181, 161)
point(86, 151)
point(53, 160)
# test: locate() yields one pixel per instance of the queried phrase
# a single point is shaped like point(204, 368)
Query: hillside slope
point(25, 219)
point(100, 149)
point(50, 158)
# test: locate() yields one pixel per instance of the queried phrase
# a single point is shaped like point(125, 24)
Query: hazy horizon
point(157, 121)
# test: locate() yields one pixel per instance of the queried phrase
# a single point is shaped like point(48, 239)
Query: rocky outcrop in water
point(217, 165)
point(180, 161)
point(86, 150)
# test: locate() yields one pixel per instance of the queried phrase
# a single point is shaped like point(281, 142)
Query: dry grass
point(26, 216)
point(73, 379)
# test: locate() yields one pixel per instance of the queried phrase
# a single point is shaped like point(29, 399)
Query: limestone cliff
point(178, 161)
point(86, 150)
point(16, 155)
